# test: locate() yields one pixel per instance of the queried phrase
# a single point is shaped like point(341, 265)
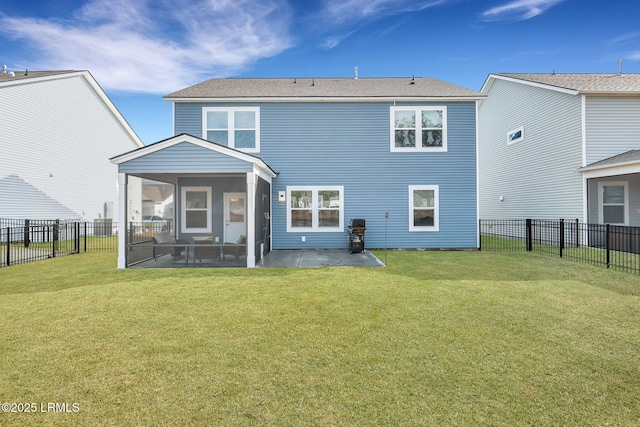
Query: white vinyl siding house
point(612, 126)
point(59, 130)
point(576, 132)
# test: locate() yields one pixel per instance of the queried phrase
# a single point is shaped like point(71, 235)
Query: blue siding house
point(299, 158)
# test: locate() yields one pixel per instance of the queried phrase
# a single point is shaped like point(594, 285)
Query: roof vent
point(12, 74)
point(4, 68)
point(413, 80)
point(355, 73)
point(619, 67)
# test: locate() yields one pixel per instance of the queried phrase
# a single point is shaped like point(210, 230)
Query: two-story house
point(557, 146)
point(287, 163)
point(58, 131)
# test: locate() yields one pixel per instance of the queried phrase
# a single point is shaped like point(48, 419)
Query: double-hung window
point(423, 208)
point(196, 209)
point(418, 129)
point(613, 202)
point(235, 127)
point(315, 208)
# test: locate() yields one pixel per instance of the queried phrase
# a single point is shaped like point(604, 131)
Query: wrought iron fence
point(610, 246)
point(24, 241)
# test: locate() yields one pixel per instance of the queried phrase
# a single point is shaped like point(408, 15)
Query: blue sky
point(140, 50)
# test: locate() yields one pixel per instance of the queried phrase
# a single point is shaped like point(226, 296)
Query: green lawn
point(436, 338)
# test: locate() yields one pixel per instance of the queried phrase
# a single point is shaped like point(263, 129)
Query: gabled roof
point(595, 84)
point(21, 200)
point(627, 158)
point(183, 137)
point(26, 74)
point(34, 77)
point(308, 89)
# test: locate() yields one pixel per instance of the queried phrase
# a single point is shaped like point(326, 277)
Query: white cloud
point(626, 37)
point(350, 13)
point(155, 46)
point(519, 10)
point(333, 41)
point(342, 11)
point(634, 56)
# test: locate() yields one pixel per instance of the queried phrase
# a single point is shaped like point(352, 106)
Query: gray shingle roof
point(325, 88)
point(585, 83)
point(628, 157)
point(21, 75)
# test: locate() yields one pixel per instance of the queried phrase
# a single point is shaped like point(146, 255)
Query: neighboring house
point(58, 130)
point(289, 162)
point(560, 146)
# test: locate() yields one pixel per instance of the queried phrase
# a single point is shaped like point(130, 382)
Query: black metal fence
point(23, 241)
point(610, 246)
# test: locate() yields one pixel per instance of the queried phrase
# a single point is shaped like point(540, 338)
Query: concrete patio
point(310, 258)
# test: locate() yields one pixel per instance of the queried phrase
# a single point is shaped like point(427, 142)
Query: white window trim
point(436, 208)
point(231, 125)
point(315, 228)
point(183, 210)
point(418, 111)
point(519, 139)
point(601, 185)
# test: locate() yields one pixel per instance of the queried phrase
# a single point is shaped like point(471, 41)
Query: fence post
point(130, 237)
point(85, 236)
point(56, 230)
point(479, 235)
point(529, 236)
point(607, 245)
point(8, 246)
point(561, 236)
point(577, 233)
point(26, 238)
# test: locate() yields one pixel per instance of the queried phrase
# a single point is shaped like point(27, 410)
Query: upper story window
point(515, 135)
point(235, 127)
point(418, 129)
point(315, 208)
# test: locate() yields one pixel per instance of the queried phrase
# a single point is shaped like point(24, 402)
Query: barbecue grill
point(355, 235)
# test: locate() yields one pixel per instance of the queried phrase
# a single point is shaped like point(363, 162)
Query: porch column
point(122, 220)
point(251, 219)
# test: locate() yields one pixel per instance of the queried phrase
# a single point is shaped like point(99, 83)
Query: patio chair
point(236, 250)
point(165, 239)
point(205, 252)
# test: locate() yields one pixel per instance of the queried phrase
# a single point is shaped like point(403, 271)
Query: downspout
point(122, 220)
point(583, 118)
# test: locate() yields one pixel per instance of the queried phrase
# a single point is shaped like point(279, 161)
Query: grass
point(436, 338)
point(622, 261)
